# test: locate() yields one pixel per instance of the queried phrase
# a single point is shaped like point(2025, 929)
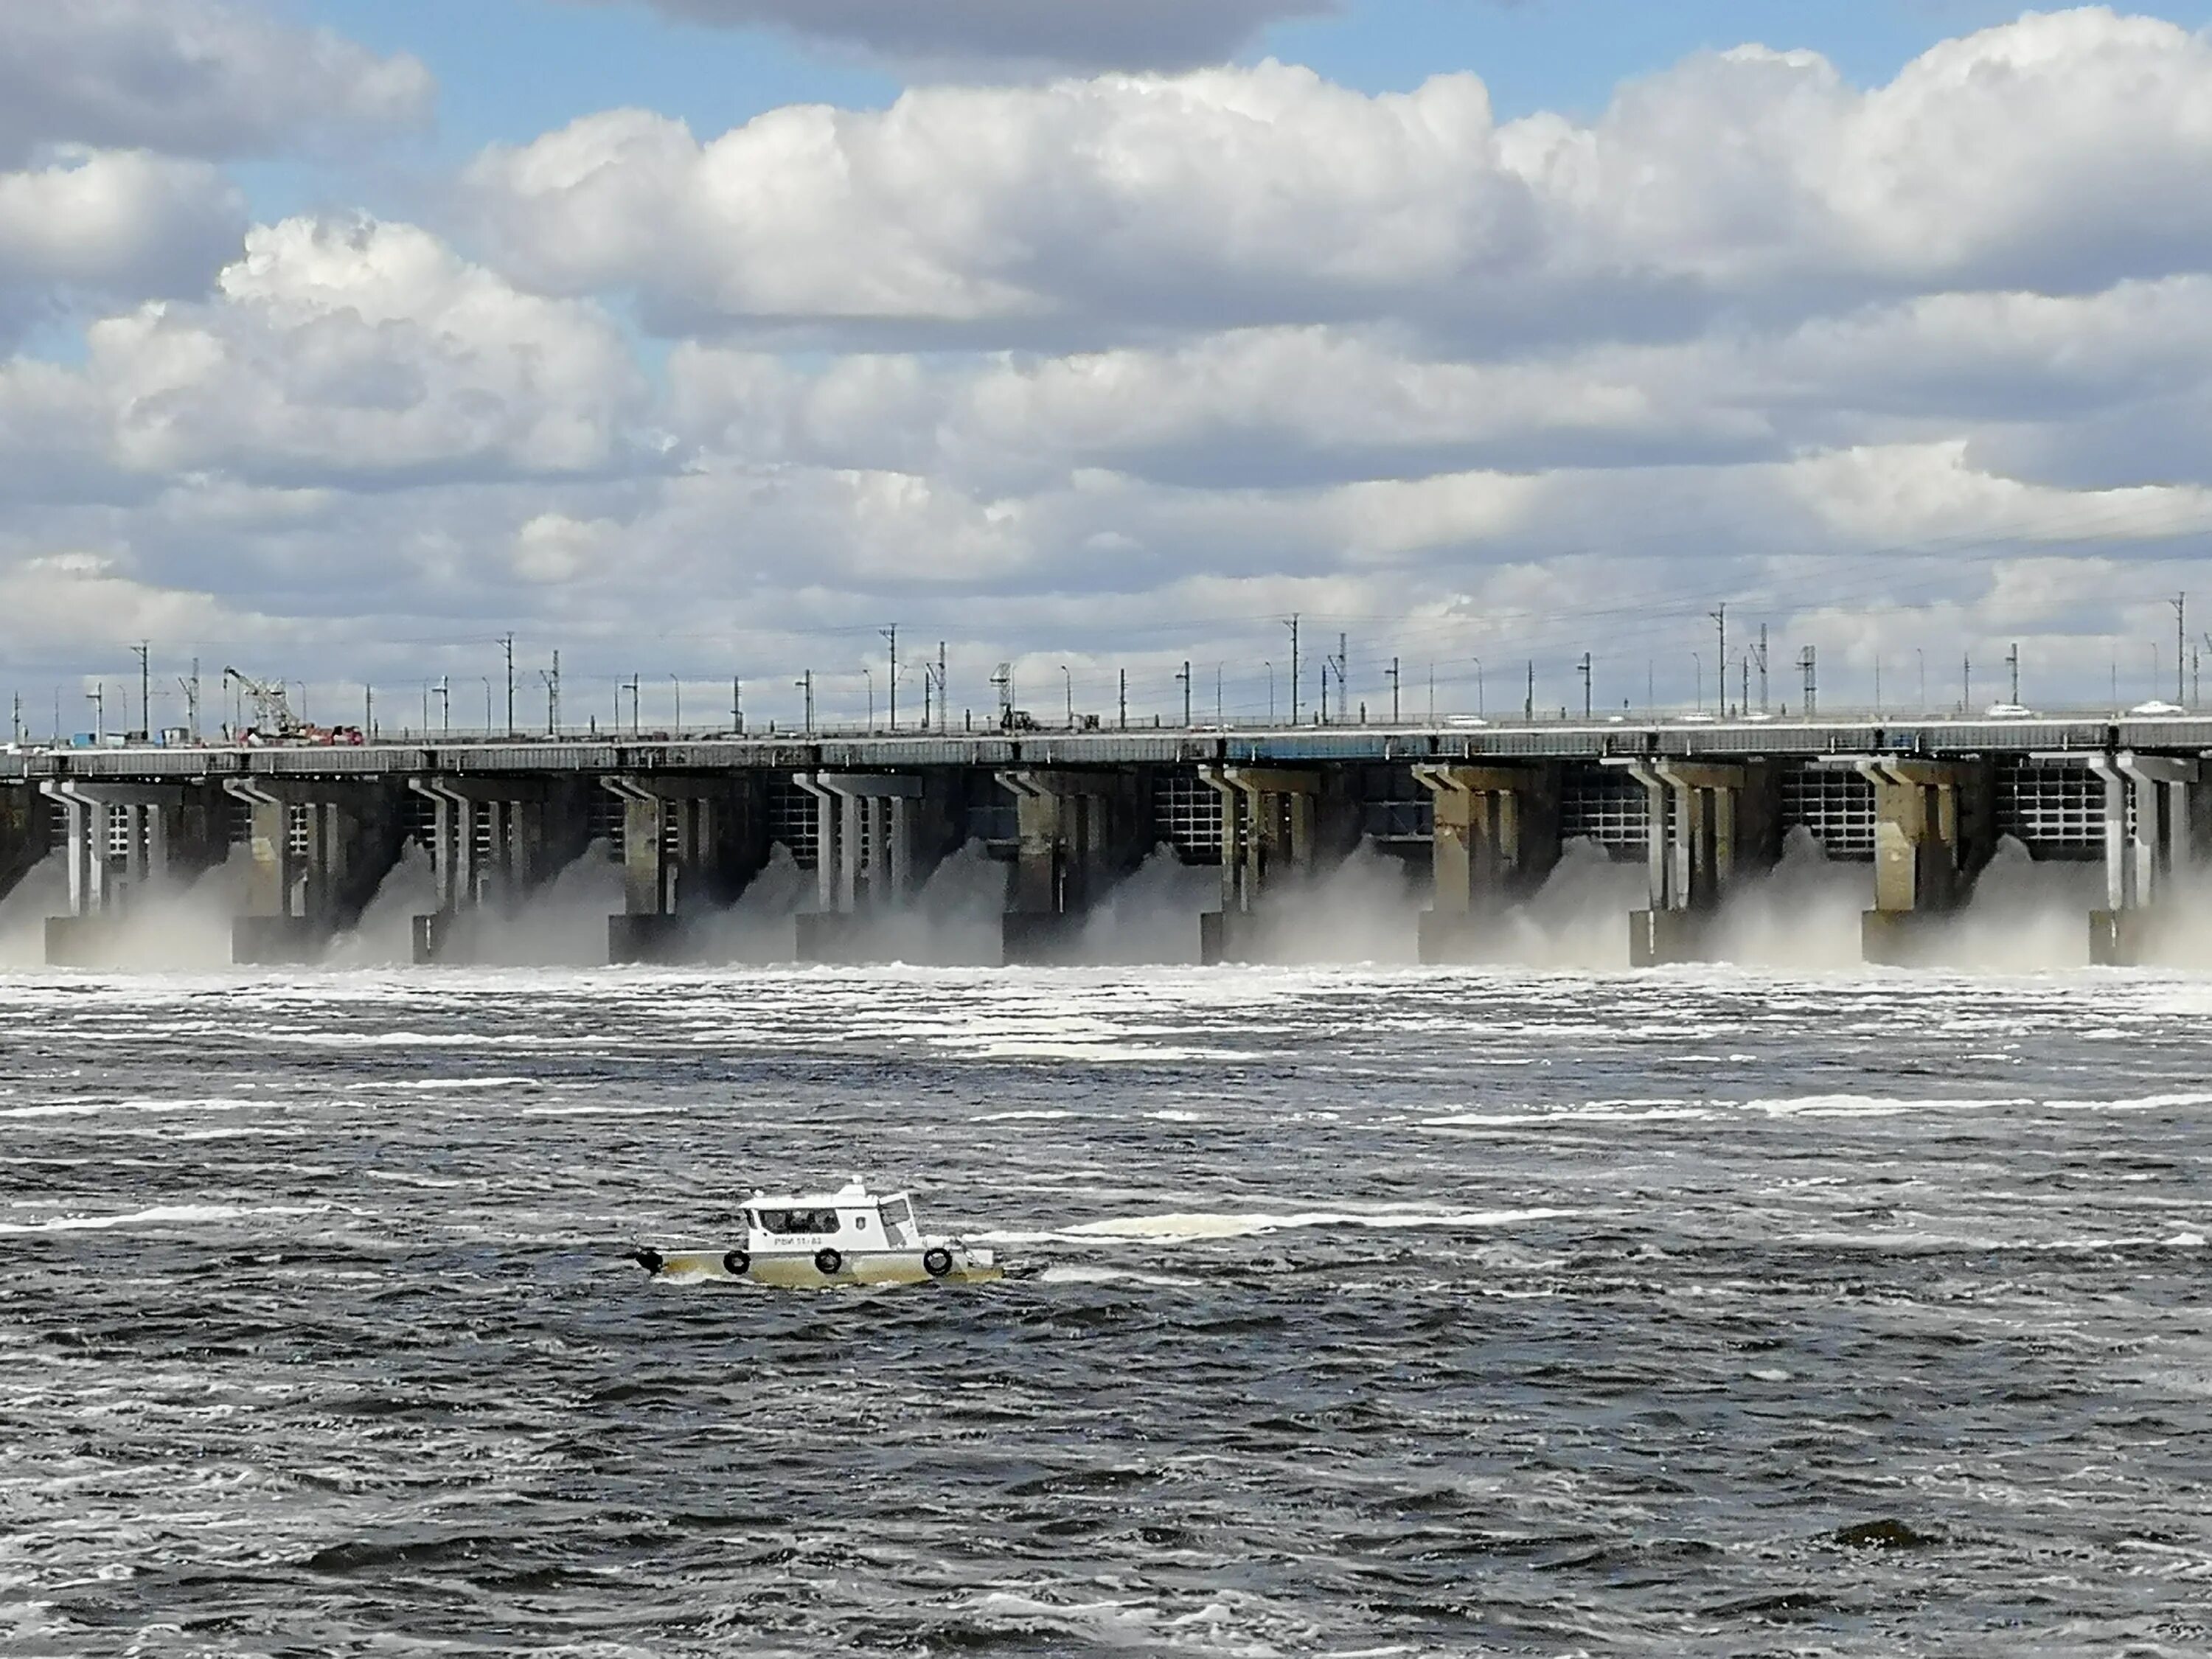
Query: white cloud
point(360, 350)
point(205, 78)
point(1123, 34)
point(1114, 371)
point(117, 225)
point(2064, 152)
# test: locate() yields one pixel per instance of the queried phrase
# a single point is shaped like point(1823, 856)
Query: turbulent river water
point(1366, 1313)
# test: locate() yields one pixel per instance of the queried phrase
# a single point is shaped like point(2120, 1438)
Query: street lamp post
point(1700, 663)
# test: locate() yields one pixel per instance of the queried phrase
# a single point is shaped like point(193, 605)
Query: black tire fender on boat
point(648, 1258)
point(937, 1261)
point(827, 1262)
point(736, 1263)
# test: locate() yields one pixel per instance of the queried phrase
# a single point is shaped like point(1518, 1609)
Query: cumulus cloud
point(113, 225)
point(205, 78)
point(2061, 152)
point(1114, 372)
point(1070, 33)
point(353, 350)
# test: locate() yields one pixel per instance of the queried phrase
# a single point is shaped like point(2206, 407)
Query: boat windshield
point(798, 1221)
point(899, 1216)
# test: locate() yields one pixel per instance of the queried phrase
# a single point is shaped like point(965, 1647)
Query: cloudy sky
point(703, 339)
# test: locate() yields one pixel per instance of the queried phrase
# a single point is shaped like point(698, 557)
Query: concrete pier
point(1078, 833)
point(319, 853)
point(690, 845)
point(27, 820)
point(864, 858)
point(2153, 839)
point(494, 841)
point(119, 838)
point(1708, 826)
point(1281, 827)
point(1496, 837)
point(1934, 832)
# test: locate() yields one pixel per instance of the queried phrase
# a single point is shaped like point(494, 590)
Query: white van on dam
point(811, 1241)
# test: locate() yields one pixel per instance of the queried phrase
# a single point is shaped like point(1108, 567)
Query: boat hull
point(799, 1273)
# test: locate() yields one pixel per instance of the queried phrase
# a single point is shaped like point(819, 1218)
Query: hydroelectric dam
point(1479, 812)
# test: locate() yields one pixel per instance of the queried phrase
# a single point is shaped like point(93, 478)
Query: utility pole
point(1184, 679)
point(892, 634)
point(2180, 639)
point(1966, 683)
point(1393, 690)
point(98, 697)
point(1810, 662)
point(509, 643)
point(632, 689)
point(1125, 700)
point(944, 689)
point(1720, 670)
point(1343, 687)
point(144, 649)
point(552, 678)
point(443, 689)
point(1584, 666)
point(679, 705)
point(2012, 662)
point(805, 684)
point(737, 705)
point(18, 735)
point(1762, 668)
point(1528, 707)
point(1293, 626)
point(190, 688)
point(367, 714)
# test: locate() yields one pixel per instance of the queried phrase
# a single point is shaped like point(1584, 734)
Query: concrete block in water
point(832, 936)
point(1227, 936)
point(1448, 937)
point(2126, 938)
point(1038, 938)
point(651, 937)
point(268, 941)
point(1903, 939)
point(93, 941)
point(1656, 938)
point(432, 937)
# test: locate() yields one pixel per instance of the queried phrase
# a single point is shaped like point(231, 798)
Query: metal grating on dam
point(1834, 807)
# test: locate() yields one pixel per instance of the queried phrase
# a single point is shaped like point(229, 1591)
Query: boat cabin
point(851, 1219)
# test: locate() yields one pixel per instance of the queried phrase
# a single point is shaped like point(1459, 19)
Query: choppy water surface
point(1404, 1313)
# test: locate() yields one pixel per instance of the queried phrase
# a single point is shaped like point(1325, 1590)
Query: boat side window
point(799, 1221)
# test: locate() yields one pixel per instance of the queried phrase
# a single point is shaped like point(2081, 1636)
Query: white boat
point(808, 1240)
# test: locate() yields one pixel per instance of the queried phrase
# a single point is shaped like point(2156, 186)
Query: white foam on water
point(160, 1214)
point(440, 1084)
point(1191, 1226)
point(94, 1108)
point(1022, 1118)
point(2134, 1103)
point(1876, 1105)
point(1624, 1112)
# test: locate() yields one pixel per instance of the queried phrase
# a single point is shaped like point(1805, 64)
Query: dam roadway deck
point(1481, 810)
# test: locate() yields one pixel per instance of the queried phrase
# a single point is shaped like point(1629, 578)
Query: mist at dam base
point(1802, 914)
